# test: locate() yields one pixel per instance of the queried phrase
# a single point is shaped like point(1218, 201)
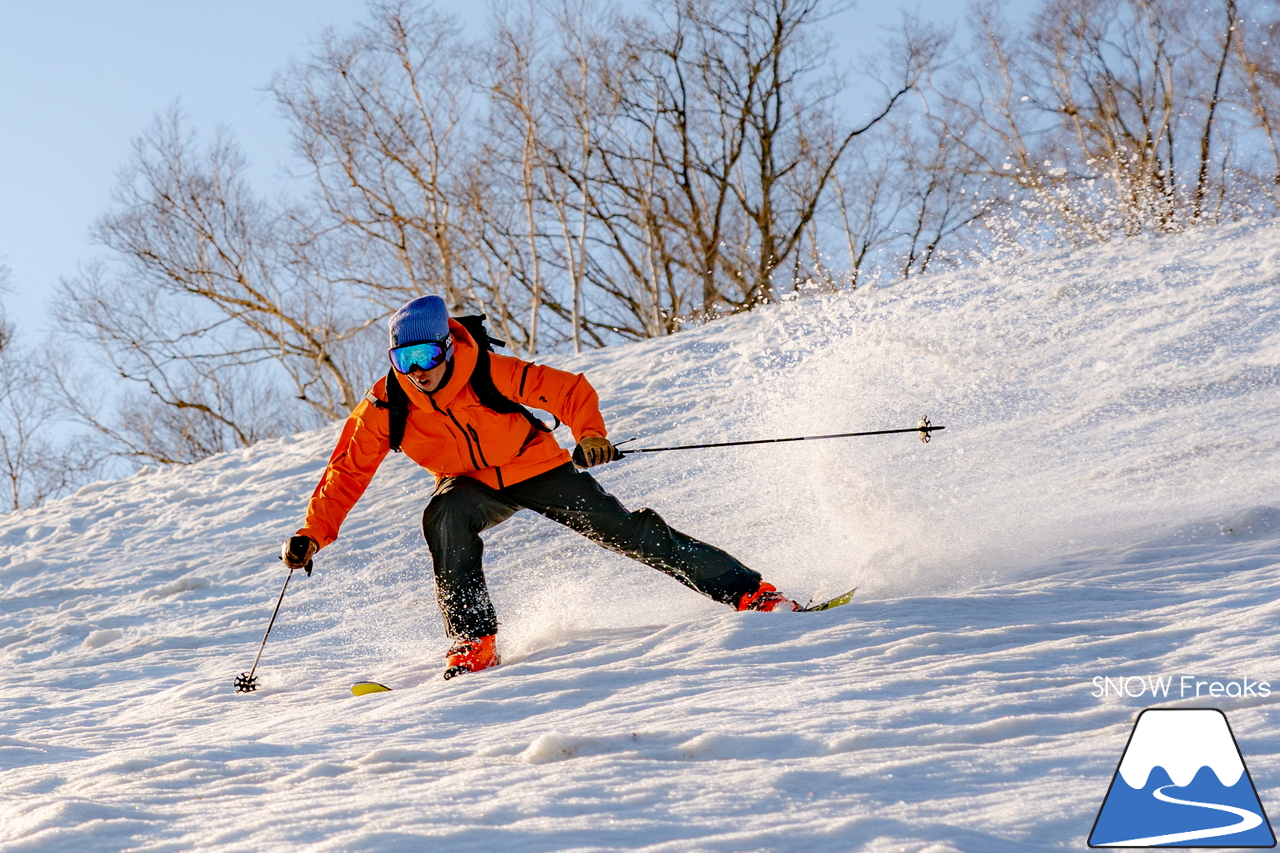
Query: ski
point(361, 688)
point(830, 603)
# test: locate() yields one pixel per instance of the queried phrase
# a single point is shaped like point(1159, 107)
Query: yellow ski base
point(835, 602)
point(360, 688)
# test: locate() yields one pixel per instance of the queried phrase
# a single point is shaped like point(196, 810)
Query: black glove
point(594, 450)
point(298, 551)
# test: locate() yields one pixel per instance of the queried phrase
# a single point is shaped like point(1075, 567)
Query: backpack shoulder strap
point(474, 324)
point(482, 376)
point(397, 406)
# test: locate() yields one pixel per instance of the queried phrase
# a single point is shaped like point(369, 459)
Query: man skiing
point(458, 410)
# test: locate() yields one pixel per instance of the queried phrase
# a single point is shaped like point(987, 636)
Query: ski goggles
point(423, 356)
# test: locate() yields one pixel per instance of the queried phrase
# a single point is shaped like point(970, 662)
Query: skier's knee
point(647, 533)
point(459, 511)
point(444, 512)
point(646, 517)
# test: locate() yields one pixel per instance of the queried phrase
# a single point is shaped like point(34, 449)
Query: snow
point(1102, 510)
point(1181, 742)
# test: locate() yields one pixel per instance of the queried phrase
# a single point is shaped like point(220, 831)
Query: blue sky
point(82, 79)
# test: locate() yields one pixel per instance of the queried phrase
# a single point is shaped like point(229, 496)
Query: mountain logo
point(1181, 783)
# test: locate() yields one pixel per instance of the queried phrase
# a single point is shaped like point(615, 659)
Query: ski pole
point(924, 428)
point(247, 682)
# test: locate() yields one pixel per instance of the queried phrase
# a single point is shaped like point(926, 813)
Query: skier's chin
point(426, 382)
point(430, 381)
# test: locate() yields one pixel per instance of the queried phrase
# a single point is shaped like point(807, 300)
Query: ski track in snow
point(1104, 501)
point(1247, 821)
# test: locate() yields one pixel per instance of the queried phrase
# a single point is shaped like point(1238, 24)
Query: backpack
point(481, 383)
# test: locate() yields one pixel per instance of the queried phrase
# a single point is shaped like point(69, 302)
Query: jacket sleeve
point(363, 445)
point(568, 396)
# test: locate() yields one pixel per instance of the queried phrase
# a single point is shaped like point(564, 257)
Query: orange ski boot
point(767, 599)
point(471, 656)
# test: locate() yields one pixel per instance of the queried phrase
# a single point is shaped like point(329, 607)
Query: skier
point(466, 423)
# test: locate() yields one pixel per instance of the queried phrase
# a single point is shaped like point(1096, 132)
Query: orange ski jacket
point(451, 434)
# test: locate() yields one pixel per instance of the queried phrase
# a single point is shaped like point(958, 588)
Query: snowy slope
point(1103, 503)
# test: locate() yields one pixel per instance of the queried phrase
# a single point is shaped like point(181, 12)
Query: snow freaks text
point(1179, 687)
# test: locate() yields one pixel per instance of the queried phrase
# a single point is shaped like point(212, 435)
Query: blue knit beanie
point(423, 319)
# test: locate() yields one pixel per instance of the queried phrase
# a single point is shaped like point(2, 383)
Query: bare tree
point(868, 208)
point(38, 460)
point(515, 110)
point(696, 135)
point(1217, 60)
point(1111, 117)
point(381, 120)
point(1258, 61)
point(205, 307)
point(196, 393)
point(35, 462)
point(554, 83)
point(792, 115)
point(585, 177)
point(6, 328)
point(582, 106)
point(634, 172)
point(641, 127)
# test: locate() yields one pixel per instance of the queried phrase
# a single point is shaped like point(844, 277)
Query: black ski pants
point(463, 507)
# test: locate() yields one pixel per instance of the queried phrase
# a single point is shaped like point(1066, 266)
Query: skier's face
point(428, 380)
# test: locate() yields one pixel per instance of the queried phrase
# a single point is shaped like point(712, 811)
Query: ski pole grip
point(307, 568)
point(579, 458)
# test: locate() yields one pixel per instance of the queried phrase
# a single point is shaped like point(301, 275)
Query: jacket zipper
point(479, 449)
point(470, 450)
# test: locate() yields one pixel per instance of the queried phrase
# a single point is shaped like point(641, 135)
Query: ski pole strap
point(924, 428)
